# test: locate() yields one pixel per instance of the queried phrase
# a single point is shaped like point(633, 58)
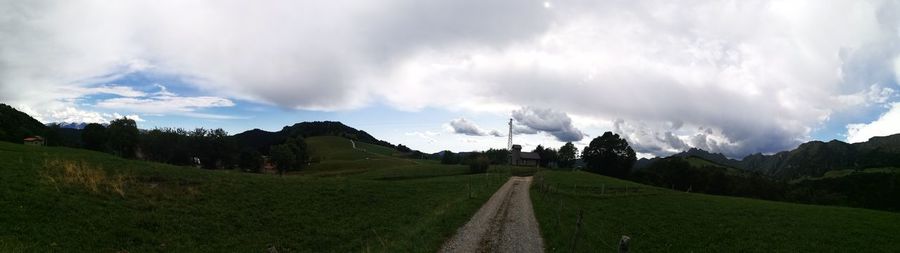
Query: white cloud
point(887, 124)
point(761, 74)
point(119, 90)
point(164, 104)
point(655, 140)
point(428, 136)
point(465, 127)
point(74, 115)
point(876, 94)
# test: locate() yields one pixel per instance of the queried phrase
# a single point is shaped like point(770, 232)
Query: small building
point(267, 166)
point(34, 141)
point(519, 158)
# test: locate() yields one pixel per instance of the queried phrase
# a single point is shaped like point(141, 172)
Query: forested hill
point(16, 125)
point(810, 159)
point(261, 139)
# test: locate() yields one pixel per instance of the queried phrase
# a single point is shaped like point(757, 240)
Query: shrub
point(479, 164)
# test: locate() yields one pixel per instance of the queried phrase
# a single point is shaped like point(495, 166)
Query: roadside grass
point(163, 208)
point(661, 220)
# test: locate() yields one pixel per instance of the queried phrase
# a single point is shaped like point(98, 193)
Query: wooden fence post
point(577, 229)
point(623, 244)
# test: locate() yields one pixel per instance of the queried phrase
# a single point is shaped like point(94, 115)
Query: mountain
point(69, 125)
point(712, 157)
point(261, 139)
point(811, 159)
point(16, 125)
point(693, 152)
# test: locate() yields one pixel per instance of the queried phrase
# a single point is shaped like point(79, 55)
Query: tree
point(250, 160)
point(283, 157)
point(498, 156)
point(123, 137)
point(448, 157)
point(52, 137)
point(403, 149)
point(548, 155)
point(609, 155)
point(298, 148)
point(94, 137)
point(479, 164)
point(567, 155)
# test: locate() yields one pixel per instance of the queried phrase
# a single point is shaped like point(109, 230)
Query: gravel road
point(505, 223)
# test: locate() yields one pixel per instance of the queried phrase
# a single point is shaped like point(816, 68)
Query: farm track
point(506, 223)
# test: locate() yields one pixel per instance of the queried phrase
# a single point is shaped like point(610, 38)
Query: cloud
point(761, 74)
point(465, 127)
point(74, 115)
point(887, 124)
point(164, 104)
point(655, 140)
point(876, 94)
point(119, 90)
point(429, 136)
point(555, 123)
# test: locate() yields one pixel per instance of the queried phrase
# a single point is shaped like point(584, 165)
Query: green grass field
point(69, 200)
point(660, 220)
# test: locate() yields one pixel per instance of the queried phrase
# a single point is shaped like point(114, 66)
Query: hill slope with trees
point(811, 159)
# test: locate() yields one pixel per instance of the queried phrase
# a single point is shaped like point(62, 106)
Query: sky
point(733, 77)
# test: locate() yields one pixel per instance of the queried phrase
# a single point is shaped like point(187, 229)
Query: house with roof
point(34, 141)
point(519, 158)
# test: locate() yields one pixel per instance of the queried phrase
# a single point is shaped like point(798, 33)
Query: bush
point(479, 164)
point(448, 157)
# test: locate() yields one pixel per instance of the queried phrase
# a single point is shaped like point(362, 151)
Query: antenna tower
point(509, 143)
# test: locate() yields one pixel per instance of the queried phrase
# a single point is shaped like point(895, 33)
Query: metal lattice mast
point(509, 143)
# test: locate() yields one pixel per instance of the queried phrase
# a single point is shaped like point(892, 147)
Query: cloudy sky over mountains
point(735, 77)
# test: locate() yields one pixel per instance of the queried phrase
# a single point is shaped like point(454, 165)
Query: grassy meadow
point(661, 220)
point(368, 200)
point(71, 200)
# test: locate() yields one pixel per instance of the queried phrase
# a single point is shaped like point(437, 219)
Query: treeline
point(206, 148)
point(612, 156)
point(677, 173)
point(565, 157)
point(874, 190)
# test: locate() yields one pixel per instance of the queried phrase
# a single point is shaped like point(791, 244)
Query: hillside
point(261, 139)
point(72, 200)
point(661, 220)
point(16, 125)
point(811, 159)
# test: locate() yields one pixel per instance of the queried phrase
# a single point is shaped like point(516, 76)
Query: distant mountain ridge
point(69, 125)
point(811, 159)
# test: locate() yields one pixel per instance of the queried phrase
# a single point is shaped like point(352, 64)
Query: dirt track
point(505, 223)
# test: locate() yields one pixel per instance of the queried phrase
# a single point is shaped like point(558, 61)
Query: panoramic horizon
point(729, 77)
point(450, 126)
